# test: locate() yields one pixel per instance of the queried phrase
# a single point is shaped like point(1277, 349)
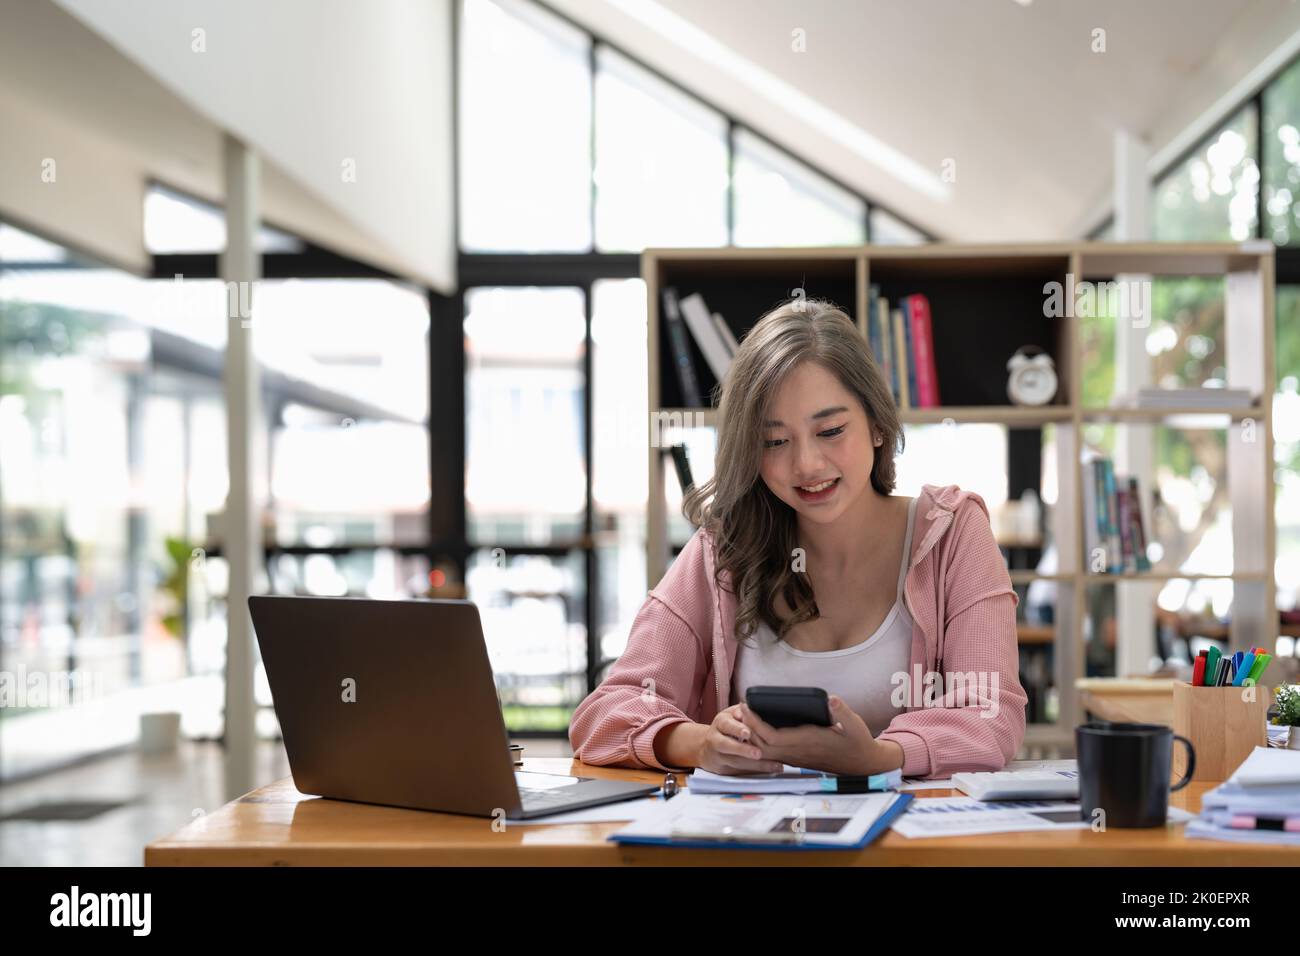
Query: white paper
point(966, 816)
point(920, 783)
point(1268, 768)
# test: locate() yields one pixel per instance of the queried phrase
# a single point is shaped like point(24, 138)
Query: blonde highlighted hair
point(753, 531)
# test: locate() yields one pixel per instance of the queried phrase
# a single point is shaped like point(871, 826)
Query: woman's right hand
point(727, 747)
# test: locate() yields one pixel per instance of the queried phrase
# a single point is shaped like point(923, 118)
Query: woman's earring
point(878, 441)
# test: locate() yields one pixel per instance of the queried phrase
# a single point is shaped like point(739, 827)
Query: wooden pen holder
point(1224, 724)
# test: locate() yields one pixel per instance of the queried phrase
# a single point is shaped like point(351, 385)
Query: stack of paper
point(1260, 803)
point(1176, 398)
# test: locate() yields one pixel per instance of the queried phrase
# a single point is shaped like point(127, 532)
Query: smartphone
point(790, 706)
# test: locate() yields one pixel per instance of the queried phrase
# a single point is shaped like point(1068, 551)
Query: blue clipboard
point(883, 822)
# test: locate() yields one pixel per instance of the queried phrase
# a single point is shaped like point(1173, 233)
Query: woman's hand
point(727, 747)
point(845, 747)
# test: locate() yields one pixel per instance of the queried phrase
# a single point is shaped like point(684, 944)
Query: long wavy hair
point(754, 531)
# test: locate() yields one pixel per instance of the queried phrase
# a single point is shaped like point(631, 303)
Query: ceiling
point(1008, 95)
point(120, 126)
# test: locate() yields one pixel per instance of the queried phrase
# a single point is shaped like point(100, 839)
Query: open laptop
point(393, 702)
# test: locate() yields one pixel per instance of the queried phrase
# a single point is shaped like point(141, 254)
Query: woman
point(807, 570)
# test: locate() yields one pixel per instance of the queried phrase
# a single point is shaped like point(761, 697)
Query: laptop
point(393, 702)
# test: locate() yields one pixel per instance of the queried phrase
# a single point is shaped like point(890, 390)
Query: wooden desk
point(278, 826)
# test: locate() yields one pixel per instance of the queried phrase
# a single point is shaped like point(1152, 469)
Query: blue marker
point(1243, 672)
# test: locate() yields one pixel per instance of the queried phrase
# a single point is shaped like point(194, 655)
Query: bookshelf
point(987, 301)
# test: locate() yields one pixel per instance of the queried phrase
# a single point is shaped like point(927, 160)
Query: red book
point(927, 376)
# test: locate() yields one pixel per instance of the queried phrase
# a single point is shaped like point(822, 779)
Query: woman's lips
point(815, 496)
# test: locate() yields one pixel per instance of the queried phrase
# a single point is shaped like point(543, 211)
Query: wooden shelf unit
point(988, 299)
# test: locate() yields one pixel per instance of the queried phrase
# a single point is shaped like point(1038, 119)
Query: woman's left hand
point(845, 747)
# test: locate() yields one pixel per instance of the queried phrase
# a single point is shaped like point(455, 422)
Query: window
point(532, 611)
point(781, 202)
point(1281, 152)
point(661, 162)
point(555, 159)
point(887, 229)
point(1212, 195)
point(525, 137)
point(525, 481)
point(336, 395)
point(101, 590)
point(620, 463)
point(174, 223)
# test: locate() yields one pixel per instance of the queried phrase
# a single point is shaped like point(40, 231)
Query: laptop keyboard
point(541, 799)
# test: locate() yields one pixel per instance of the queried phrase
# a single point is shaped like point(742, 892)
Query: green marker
point(1211, 666)
point(1257, 669)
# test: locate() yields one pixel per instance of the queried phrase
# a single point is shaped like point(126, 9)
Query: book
point(1136, 528)
point(864, 321)
point(681, 349)
point(885, 333)
point(1114, 547)
point(927, 375)
point(724, 330)
point(900, 360)
point(1127, 560)
point(872, 330)
point(705, 332)
point(908, 353)
point(1112, 520)
point(682, 464)
point(1091, 533)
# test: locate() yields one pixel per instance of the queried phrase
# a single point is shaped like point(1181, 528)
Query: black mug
point(1124, 771)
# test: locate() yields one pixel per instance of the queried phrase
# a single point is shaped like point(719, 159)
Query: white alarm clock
point(1033, 377)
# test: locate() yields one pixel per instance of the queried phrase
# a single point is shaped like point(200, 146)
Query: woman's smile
point(818, 491)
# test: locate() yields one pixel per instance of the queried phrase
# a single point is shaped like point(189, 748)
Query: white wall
point(315, 84)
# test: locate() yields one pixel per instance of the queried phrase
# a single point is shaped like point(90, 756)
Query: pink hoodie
point(680, 654)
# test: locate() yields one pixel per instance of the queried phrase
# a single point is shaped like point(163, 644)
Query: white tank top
point(861, 674)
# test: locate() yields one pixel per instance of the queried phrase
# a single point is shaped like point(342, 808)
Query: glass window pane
point(533, 623)
point(381, 574)
point(781, 202)
point(177, 223)
point(1281, 148)
point(17, 246)
point(1212, 195)
point(525, 480)
point(99, 593)
point(334, 395)
point(525, 139)
point(620, 454)
point(889, 230)
point(1286, 448)
point(661, 162)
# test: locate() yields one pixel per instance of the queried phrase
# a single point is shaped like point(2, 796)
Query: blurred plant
point(1288, 706)
point(180, 553)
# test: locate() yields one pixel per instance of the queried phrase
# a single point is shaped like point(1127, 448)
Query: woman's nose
point(808, 460)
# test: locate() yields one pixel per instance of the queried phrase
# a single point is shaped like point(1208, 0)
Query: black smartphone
point(790, 706)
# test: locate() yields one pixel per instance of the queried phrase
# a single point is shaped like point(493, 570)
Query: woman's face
point(815, 431)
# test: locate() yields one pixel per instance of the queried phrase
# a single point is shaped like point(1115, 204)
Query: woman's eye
point(772, 442)
point(831, 432)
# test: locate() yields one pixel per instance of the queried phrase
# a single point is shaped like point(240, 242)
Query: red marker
point(1198, 670)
